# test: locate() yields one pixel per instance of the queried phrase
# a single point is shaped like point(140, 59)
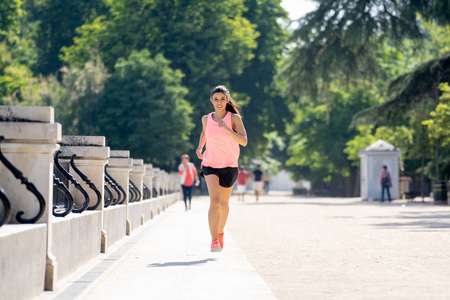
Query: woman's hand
point(199, 153)
point(223, 125)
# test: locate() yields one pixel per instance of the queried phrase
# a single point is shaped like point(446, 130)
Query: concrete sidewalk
point(167, 258)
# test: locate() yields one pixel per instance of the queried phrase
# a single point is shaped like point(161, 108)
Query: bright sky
point(298, 8)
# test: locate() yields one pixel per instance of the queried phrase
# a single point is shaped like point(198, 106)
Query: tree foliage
point(265, 110)
point(339, 38)
point(319, 134)
point(143, 109)
point(401, 137)
point(57, 21)
point(439, 123)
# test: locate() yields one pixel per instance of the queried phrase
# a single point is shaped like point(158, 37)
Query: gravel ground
point(343, 248)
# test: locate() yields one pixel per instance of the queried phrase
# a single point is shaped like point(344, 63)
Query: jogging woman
point(223, 132)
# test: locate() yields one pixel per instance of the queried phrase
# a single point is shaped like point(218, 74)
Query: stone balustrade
point(66, 240)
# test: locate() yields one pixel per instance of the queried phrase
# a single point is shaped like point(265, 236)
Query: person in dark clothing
point(258, 181)
point(385, 182)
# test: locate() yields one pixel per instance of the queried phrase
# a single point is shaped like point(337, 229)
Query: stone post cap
point(120, 154)
point(138, 162)
point(81, 140)
point(117, 162)
point(40, 114)
point(138, 169)
point(149, 170)
point(86, 152)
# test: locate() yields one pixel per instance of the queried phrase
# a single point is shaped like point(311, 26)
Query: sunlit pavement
point(168, 258)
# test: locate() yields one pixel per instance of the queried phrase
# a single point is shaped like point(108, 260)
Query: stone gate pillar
point(31, 137)
point(119, 167)
point(91, 158)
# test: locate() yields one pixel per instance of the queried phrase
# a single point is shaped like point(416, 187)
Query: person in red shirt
point(242, 183)
point(188, 173)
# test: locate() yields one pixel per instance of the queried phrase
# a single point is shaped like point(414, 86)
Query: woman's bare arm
point(202, 140)
point(240, 136)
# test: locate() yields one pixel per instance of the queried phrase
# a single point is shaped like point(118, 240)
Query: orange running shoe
point(215, 246)
point(220, 238)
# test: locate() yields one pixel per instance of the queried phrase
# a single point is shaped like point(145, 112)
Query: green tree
point(209, 41)
point(56, 22)
point(401, 137)
point(143, 109)
point(340, 38)
point(439, 123)
point(75, 97)
point(319, 133)
point(265, 110)
point(9, 12)
point(16, 80)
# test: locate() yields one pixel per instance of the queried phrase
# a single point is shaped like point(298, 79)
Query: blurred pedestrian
point(223, 132)
point(258, 181)
point(242, 183)
point(266, 181)
point(188, 173)
point(385, 182)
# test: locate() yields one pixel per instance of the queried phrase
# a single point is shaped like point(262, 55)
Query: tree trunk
point(422, 178)
point(437, 159)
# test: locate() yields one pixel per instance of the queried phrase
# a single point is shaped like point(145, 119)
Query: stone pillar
point(137, 177)
point(31, 137)
point(166, 183)
point(119, 167)
point(157, 181)
point(148, 178)
point(91, 158)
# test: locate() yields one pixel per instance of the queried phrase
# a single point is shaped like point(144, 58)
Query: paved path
point(293, 247)
point(331, 248)
point(167, 258)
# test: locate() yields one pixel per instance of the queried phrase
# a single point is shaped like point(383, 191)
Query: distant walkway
point(293, 247)
point(168, 258)
point(343, 248)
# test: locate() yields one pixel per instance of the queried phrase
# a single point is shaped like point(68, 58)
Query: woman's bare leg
point(214, 189)
point(225, 194)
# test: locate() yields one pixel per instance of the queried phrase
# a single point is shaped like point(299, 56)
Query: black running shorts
point(227, 176)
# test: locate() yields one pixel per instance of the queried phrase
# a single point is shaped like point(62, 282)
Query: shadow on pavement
point(182, 263)
point(303, 203)
point(420, 219)
point(425, 224)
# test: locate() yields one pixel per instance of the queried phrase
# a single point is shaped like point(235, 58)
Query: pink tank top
point(221, 149)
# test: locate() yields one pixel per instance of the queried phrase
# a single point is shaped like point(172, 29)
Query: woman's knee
point(215, 203)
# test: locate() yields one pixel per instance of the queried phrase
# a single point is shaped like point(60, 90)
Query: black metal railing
point(62, 206)
point(6, 215)
point(108, 197)
point(155, 193)
point(131, 192)
point(117, 199)
point(124, 194)
point(146, 192)
point(77, 185)
point(88, 182)
point(30, 186)
point(136, 192)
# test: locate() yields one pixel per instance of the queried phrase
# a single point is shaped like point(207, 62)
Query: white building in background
point(372, 159)
point(282, 182)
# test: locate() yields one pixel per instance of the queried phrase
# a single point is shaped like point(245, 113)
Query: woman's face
point(219, 100)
